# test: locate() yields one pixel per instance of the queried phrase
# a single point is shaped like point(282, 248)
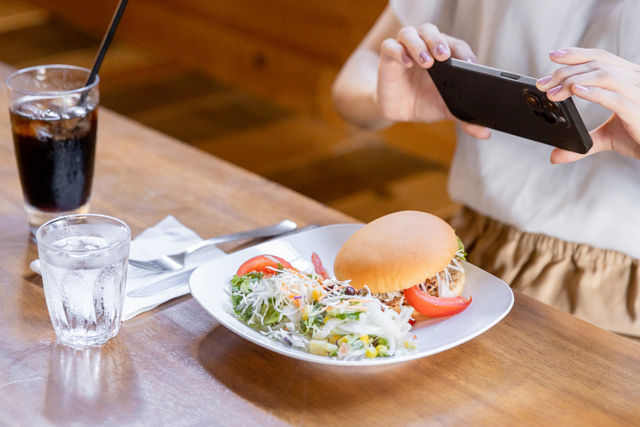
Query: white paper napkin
point(167, 237)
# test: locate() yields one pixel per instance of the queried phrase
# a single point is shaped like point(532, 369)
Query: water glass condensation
point(54, 119)
point(84, 261)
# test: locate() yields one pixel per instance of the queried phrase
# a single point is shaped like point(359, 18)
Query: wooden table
point(176, 366)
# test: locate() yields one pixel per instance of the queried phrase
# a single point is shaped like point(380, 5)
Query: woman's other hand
point(405, 91)
point(601, 77)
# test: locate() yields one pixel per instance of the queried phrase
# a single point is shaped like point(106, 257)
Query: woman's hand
point(405, 91)
point(601, 77)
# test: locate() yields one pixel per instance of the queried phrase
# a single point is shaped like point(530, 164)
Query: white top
point(595, 200)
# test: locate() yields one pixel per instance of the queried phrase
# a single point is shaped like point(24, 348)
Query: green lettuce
point(461, 249)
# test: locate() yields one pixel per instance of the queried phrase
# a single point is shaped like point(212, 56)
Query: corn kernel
point(411, 345)
point(316, 294)
point(305, 312)
point(343, 340)
point(365, 339)
point(326, 319)
point(371, 352)
point(335, 338)
point(382, 350)
point(317, 347)
point(330, 348)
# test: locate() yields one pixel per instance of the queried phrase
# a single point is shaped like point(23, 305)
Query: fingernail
point(581, 88)
point(441, 50)
point(472, 60)
point(554, 90)
point(406, 59)
point(423, 57)
point(557, 53)
point(543, 81)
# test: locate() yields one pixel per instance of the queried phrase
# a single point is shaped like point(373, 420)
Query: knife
point(182, 278)
point(162, 285)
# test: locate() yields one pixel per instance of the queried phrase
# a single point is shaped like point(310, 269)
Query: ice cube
point(81, 243)
point(50, 115)
point(43, 133)
point(28, 110)
point(75, 111)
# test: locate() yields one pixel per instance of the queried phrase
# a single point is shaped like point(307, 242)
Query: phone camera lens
point(531, 99)
point(549, 117)
point(550, 105)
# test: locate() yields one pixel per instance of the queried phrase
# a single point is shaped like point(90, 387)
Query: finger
point(561, 74)
point(394, 51)
point(558, 156)
point(613, 135)
point(413, 43)
point(461, 50)
point(600, 143)
point(577, 55)
point(436, 41)
point(618, 136)
point(614, 101)
point(611, 78)
point(475, 131)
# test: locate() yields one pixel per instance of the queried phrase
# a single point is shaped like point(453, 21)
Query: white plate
point(492, 298)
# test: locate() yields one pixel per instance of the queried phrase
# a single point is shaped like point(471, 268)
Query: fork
point(176, 262)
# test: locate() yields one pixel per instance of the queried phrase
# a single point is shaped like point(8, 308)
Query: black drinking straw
point(106, 41)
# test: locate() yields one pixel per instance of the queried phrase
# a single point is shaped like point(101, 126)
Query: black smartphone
point(510, 103)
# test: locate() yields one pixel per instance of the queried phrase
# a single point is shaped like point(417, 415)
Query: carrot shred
point(302, 276)
point(356, 308)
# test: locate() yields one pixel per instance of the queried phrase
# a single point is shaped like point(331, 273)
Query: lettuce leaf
point(463, 255)
point(240, 286)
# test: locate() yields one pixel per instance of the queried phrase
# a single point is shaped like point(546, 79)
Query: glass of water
point(84, 269)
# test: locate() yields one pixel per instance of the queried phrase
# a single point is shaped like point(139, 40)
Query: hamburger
point(407, 258)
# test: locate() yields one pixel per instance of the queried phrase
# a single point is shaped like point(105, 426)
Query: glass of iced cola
point(54, 119)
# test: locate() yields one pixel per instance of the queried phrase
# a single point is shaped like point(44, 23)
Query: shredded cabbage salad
point(321, 316)
point(444, 279)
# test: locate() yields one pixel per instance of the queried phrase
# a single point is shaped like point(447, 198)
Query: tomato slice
point(260, 263)
point(432, 306)
point(318, 267)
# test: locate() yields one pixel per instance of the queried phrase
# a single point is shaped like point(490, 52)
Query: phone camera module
point(531, 99)
point(550, 105)
point(549, 117)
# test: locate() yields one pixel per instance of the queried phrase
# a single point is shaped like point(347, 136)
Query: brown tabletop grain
point(175, 365)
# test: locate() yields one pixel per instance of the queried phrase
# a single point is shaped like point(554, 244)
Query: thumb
point(558, 155)
point(475, 131)
point(601, 138)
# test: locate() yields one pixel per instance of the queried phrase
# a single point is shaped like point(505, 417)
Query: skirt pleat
point(596, 285)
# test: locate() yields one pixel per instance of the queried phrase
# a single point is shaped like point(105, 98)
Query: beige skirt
point(596, 285)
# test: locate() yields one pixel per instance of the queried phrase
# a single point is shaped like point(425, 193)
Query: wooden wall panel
point(314, 28)
point(279, 49)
